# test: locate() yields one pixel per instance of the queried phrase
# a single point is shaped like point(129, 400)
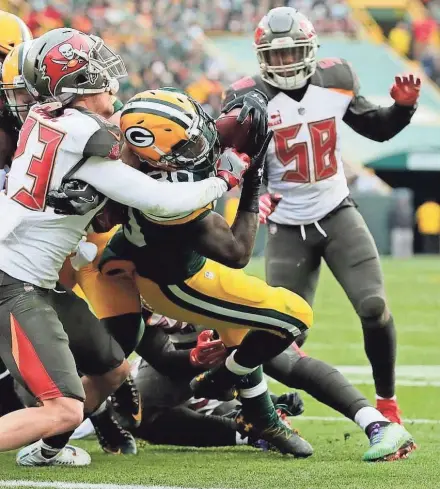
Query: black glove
point(74, 197)
point(250, 192)
point(253, 103)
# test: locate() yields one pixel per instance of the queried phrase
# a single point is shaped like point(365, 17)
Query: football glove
point(406, 90)
point(231, 166)
point(74, 197)
point(253, 103)
point(85, 253)
point(208, 352)
point(267, 204)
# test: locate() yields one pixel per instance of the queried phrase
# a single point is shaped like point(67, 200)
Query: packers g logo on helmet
point(139, 137)
point(169, 130)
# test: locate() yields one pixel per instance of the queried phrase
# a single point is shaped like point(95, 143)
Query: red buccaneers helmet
point(64, 63)
point(286, 45)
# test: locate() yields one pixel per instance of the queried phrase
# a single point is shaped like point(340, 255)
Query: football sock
point(54, 444)
point(257, 405)
point(368, 416)
point(375, 426)
point(258, 347)
point(380, 347)
point(185, 427)
point(320, 380)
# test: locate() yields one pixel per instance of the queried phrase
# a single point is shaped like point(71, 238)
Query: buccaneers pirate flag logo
point(68, 57)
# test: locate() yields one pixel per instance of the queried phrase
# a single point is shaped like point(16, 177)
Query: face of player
point(23, 101)
point(101, 103)
point(286, 57)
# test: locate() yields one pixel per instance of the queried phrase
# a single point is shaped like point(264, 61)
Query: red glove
point(231, 166)
point(267, 204)
point(208, 352)
point(406, 90)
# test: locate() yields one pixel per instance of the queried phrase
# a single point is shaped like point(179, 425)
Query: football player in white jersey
point(73, 75)
point(316, 218)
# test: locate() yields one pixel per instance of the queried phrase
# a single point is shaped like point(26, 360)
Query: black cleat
point(289, 404)
point(127, 403)
point(278, 435)
point(216, 383)
point(111, 436)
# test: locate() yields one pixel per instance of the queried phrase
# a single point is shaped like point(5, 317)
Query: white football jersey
point(304, 158)
point(34, 241)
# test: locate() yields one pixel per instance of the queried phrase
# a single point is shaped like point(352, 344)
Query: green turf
point(413, 289)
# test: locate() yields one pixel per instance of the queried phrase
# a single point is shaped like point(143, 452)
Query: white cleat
point(69, 456)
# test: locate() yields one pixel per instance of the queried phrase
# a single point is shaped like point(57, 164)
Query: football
point(232, 134)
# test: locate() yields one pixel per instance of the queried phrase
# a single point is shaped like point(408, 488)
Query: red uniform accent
point(29, 365)
point(298, 350)
point(245, 82)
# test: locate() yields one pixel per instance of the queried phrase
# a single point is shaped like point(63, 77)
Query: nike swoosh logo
point(138, 416)
point(231, 168)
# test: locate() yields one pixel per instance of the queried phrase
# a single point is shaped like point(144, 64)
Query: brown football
point(232, 134)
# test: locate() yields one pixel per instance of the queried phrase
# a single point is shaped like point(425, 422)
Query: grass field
point(413, 289)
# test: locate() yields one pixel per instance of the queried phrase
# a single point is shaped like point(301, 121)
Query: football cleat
point(111, 435)
point(389, 443)
point(390, 409)
point(127, 403)
point(289, 404)
point(71, 456)
point(216, 383)
point(279, 436)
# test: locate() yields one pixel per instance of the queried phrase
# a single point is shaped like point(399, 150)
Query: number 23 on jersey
point(41, 163)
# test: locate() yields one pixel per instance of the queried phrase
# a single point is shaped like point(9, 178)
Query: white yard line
point(406, 375)
point(77, 485)
point(345, 420)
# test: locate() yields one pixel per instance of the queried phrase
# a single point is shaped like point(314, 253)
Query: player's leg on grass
point(293, 262)
point(327, 385)
point(102, 361)
point(352, 256)
point(99, 357)
point(35, 349)
point(220, 297)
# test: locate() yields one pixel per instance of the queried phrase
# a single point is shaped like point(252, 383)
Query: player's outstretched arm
point(130, 187)
point(232, 246)
point(383, 123)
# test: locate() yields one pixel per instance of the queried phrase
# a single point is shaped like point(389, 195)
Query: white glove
point(85, 253)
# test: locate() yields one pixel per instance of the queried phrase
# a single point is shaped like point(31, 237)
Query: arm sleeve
point(131, 187)
point(157, 349)
point(375, 122)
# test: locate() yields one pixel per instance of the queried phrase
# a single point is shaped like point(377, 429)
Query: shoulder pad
point(106, 142)
point(247, 84)
point(336, 73)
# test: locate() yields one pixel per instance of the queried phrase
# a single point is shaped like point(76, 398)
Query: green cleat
point(389, 443)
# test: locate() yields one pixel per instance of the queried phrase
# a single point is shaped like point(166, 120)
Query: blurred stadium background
point(203, 46)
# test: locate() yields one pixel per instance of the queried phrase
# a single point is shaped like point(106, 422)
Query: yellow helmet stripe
point(171, 113)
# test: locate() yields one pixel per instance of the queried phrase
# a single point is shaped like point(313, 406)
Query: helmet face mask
point(286, 46)
point(64, 63)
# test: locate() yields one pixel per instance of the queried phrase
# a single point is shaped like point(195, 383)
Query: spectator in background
point(428, 223)
point(424, 32)
point(400, 38)
point(401, 223)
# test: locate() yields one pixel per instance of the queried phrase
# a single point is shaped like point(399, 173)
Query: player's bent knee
point(298, 308)
point(67, 413)
point(373, 310)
